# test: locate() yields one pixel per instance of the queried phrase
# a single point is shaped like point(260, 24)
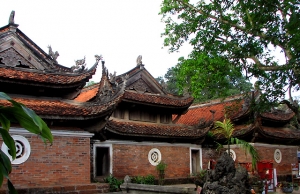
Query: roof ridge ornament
point(99, 58)
point(12, 17)
point(79, 65)
point(11, 22)
point(52, 54)
point(139, 60)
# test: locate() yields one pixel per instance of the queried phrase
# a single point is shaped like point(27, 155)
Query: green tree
point(188, 74)
point(17, 113)
point(230, 38)
point(225, 130)
point(172, 81)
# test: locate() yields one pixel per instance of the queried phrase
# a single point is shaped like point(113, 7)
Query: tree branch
point(237, 27)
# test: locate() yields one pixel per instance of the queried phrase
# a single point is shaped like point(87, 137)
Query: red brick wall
point(266, 153)
point(132, 160)
point(66, 162)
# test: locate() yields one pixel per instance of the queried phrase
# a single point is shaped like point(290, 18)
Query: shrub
point(114, 183)
point(161, 166)
point(137, 180)
point(147, 180)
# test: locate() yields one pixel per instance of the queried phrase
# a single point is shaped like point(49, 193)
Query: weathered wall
point(132, 160)
point(66, 162)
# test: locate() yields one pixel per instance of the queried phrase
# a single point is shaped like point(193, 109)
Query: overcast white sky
point(120, 30)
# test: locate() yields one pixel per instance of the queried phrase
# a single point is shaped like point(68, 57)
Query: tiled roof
point(203, 113)
point(278, 116)
point(4, 29)
point(51, 108)
point(242, 130)
point(155, 130)
point(158, 99)
point(36, 76)
point(88, 93)
point(138, 69)
point(168, 100)
point(36, 50)
point(164, 100)
point(239, 131)
point(281, 133)
point(31, 44)
point(129, 73)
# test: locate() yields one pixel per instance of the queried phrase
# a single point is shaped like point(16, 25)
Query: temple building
point(124, 125)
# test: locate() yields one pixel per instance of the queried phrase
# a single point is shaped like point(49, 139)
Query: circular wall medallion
point(232, 154)
point(277, 155)
point(154, 156)
point(22, 149)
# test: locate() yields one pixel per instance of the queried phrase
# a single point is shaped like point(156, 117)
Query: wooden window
point(165, 118)
point(140, 115)
point(135, 115)
point(119, 113)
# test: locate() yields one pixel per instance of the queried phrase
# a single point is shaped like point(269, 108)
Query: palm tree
point(225, 129)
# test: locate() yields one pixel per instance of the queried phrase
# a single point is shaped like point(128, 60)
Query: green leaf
point(5, 122)
point(46, 132)
point(23, 119)
point(4, 96)
point(36, 119)
point(28, 119)
point(5, 161)
point(9, 141)
point(11, 188)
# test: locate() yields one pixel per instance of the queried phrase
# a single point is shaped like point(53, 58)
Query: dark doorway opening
point(102, 161)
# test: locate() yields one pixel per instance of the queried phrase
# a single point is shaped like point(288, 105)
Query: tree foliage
point(188, 75)
point(256, 38)
point(17, 113)
point(169, 81)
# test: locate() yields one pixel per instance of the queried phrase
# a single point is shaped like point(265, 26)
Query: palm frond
point(224, 128)
point(249, 149)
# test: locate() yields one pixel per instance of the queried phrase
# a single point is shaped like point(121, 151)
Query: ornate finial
point(98, 58)
point(103, 70)
point(139, 60)
point(125, 77)
point(112, 77)
point(79, 65)
point(11, 17)
point(52, 54)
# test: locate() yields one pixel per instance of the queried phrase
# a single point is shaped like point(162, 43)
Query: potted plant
point(161, 172)
point(286, 187)
point(296, 186)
